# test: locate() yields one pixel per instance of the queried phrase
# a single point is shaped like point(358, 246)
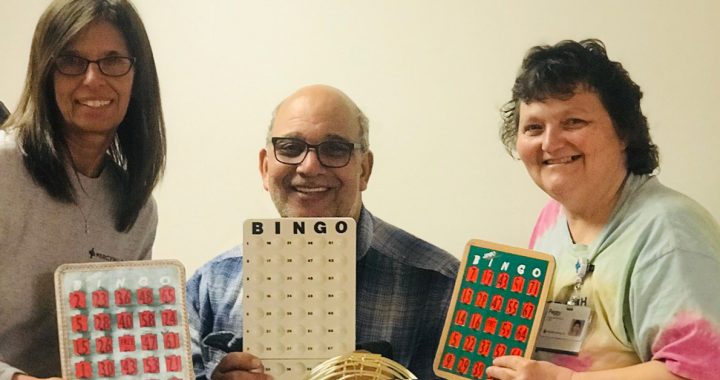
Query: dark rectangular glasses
point(331, 153)
point(113, 66)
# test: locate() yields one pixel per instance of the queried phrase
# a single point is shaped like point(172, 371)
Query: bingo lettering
point(496, 308)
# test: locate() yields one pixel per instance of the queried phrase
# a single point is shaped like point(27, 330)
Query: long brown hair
point(138, 150)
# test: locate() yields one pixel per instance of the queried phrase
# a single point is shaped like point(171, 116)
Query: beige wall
point(430, 75)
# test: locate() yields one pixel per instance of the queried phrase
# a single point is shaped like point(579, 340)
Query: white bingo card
point(298, 292)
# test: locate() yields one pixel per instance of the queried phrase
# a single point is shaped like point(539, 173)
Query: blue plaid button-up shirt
point(404, 287)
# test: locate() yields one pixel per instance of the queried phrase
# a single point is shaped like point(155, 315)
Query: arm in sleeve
point(7, 371)
point(146, 253)
point(214, 305)
point(674, 313)
point(195, 327)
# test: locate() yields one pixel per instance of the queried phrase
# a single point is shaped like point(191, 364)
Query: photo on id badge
point(576, 327)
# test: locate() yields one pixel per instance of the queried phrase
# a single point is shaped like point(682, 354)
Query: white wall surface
point(430, 75)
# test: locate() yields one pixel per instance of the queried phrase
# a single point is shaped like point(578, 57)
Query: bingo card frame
point(298, 292)
point(496, 309)
point(123, 320)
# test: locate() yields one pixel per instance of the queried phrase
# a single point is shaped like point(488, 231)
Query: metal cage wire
point(360, 366)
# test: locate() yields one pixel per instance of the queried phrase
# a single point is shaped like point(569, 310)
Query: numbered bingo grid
point(299, 292)
point(123, 320)
point(496, 309)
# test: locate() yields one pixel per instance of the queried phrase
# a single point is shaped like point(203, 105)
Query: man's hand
point(240, 366)
point(519, 368)
point(19, 376)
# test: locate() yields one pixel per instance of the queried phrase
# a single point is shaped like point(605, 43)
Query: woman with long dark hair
point(79, 159)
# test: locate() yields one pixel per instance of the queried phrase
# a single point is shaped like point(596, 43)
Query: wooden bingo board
point(123, 320)
point(496, 309)
point(298, 292)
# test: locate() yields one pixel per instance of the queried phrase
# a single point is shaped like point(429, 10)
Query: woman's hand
point(519, 368)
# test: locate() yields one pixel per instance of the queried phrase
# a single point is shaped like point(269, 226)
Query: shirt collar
point(364, 233)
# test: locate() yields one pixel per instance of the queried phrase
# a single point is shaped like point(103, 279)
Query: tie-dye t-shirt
point(655, 288)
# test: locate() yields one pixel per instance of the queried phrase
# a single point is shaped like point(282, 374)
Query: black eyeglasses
point(331, 154)
point(113, 66)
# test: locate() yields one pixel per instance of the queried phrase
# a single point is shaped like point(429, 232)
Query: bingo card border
point(63, 313)
point(283, 235)
point(484, 251)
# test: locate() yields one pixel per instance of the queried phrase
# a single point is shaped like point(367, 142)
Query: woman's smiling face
point(569, 146)
point(94, 102)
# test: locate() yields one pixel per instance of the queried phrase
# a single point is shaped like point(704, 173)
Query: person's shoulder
point(546, 221)
point(412, 250)
point(5, 137)
point(8, 146)
point(149, 212)
point(655, 201)
point(672, 219)
point(223, 266)
point(210, 283)
point(12, 166)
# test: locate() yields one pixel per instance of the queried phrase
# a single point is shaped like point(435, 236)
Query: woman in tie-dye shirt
point(575, 122)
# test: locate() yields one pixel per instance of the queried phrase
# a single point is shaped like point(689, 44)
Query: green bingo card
point(496, 309)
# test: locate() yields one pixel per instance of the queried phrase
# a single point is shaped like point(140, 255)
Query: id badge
point(564, 328)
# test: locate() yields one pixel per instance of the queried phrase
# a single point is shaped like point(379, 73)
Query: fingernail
point(256, 363)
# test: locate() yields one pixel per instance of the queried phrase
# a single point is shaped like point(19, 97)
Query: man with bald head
point(316, 163)
point(314, 115)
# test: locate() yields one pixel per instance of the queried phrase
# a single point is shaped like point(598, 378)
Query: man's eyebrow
point(329, 137)
point(336, 137)
point(293, 135)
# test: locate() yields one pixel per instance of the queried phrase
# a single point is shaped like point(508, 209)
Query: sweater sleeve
point(674, 318)
point(7, 371)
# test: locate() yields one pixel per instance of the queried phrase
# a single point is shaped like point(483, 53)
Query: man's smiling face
point(316, 114)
